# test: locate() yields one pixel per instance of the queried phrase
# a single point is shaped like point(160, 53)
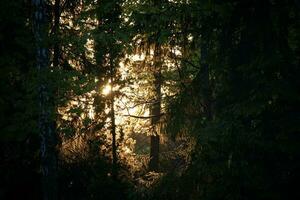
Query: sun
point(106, 90)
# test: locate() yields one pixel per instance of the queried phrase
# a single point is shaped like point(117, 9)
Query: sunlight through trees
point(149, 99)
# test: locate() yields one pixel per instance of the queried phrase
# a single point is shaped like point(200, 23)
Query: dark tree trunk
point(156, 111)
point(46, 123)
point(205, 87)
point(56, 50)
point(113, 124)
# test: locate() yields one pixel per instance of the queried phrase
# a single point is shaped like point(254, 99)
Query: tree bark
point(46, 123)
point(156, 111)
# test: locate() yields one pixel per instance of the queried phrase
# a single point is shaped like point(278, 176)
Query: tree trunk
point(205, 88)
point(113, 124)
point(56, 49)
point(46, 124)
point(155, 111)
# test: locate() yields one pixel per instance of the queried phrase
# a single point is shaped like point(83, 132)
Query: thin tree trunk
point(46, 124)
point(156, 111)
point(113, 124)
point(56, 50)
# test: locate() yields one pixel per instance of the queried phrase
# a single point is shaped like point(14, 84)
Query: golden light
point(106, 90)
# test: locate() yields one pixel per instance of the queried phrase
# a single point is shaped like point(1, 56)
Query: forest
point(149, 99)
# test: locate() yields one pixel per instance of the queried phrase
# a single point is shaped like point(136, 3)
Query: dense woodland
point(150, 99)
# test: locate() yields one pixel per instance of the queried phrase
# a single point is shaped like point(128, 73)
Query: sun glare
point(106, 90)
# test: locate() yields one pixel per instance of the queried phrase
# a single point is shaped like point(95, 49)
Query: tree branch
point(144, 117)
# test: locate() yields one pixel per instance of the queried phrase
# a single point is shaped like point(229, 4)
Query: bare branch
point(144, 117)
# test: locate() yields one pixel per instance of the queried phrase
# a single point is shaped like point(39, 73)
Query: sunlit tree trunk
point(46, 124)
point(156, 110)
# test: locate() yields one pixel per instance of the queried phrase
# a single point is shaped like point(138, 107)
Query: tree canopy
point(149, 99)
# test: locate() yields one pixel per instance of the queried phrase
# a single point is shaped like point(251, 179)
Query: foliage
point(230, 93)
point(246, 151)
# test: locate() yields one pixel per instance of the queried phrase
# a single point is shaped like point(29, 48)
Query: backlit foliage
point(217, 81)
